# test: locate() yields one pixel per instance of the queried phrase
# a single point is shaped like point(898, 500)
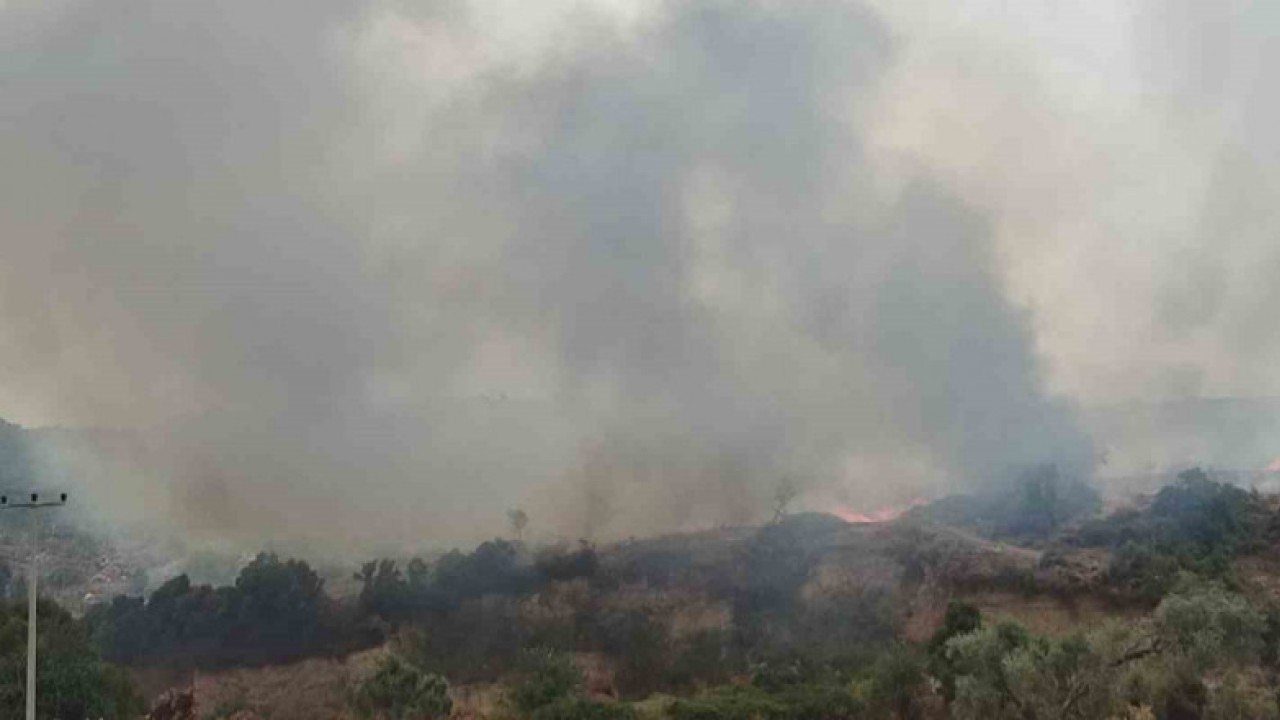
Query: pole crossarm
point(31, 500)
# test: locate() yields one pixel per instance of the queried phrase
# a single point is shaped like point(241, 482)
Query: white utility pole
point(34, 503)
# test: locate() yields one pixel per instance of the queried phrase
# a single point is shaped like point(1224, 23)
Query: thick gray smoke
point(1217, 77)
point(1126, 158)
point(356, 273)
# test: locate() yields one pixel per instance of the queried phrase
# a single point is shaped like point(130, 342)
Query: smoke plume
point(371, 272)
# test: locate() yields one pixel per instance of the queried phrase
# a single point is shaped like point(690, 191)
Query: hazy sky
point(625, 263)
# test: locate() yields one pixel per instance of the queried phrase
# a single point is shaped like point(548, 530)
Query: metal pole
point(33, 570)
point(32, 573)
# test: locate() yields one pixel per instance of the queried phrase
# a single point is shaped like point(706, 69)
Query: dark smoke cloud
point(344, 274)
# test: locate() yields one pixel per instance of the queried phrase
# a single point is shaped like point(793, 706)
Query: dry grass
point(312, 689)
point(1049, 615)
point(1260, 575)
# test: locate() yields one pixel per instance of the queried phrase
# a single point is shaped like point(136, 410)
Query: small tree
point(400, 691)
point(519, 520)
point(962, 618)
point(383, 591)
point(782, 497)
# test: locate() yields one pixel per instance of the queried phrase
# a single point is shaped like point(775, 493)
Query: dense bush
point(1240, 695)
point(1193, 526)
point(385, 592)
point(982, 686)
point(493, 568)
point(399, 691)
point(768, 574)
point(483, 638)
point(549, 688)
point(846, 628)
point(1212, 627)
point(750, 702)
point(276, 610)
point(643, 648)
point(734, 702)
point(1144, 572)
point(770, 570)
point(1211, 516)
point(478, 641)
point(462, 614)
point(1117, 669)
point(704, 658)
point(578, 708)
point(1194, 516)
point(1007, 673)
point(961, 619)
point(72, 680)
point(559, 564)
point(653, 567)
point(547, 677)
point(898, 682)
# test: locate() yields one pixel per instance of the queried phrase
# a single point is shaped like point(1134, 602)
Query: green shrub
point(1194, 515)
point(72, 681)
point(560, 564)
point(749, 702)
point(1143, 572)
point(1213, 516)
point(276, 611)
point(704, 657)
point(978, 658)
point(735, 702)
point(1194, 526)
point(961, 618)
point(550, 690)
point(577, 708)
point(1242, 696)
point(825, 701)
point(1184, 697)
point(642, 646)
point(897, 680)
point(1212, 627)
point(548, 678)
point(400, 691)
point(479, 641)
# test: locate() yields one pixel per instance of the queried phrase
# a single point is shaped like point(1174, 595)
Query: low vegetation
point(1194, 526)
point(72, 679)
point(551, 687)
point(275, 611)
point(399, 691)
point(576, 633)
point(1032, 507)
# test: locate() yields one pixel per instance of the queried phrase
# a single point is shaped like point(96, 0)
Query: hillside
point(742, 623)
point(807, 609)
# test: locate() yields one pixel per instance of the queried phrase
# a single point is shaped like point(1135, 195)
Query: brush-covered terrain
point(1027, 603)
